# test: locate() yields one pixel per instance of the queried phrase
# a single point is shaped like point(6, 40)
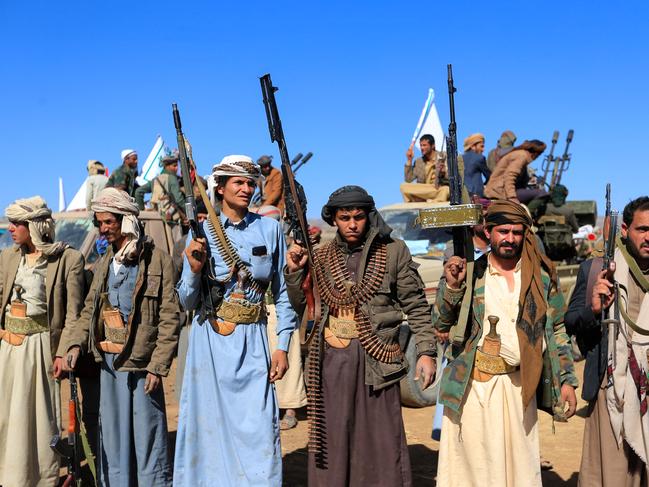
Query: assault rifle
point(70, 448)
point(294, 197)
point(211, 292)
point(610, 234)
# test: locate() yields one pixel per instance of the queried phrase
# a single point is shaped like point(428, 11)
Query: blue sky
point(83, 80)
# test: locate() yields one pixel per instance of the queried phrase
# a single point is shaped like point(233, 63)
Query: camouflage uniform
point(558, 366)
point(123, 178)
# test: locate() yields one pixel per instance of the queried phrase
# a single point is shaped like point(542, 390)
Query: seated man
point(429, 171)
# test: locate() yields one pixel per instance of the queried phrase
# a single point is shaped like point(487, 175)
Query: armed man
point(514, 353)
point(616, 435)
point(504, 146)
point(41, 296)
point(166, 196)
point(367, 281)
point(270, 186)
point(429, 172)
point(228, 430)
point(124, 176)
point(130, 324)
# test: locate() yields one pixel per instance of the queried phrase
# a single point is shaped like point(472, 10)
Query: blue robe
point(228, 426)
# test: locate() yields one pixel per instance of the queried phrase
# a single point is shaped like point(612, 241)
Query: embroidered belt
point(241, 313)
point(343, 327)
point(17, 328)
point(486, 366)
point(114, 331)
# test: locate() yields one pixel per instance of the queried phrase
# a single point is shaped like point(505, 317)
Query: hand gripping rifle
point(459, 216)
point(610, 234)
point(211, 292)
point(294, 197)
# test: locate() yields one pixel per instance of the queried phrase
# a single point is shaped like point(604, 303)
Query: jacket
point(273, 190)
point(558, 365)
point(154, 322)
point(417, 171)
point(502, 183)
point(475, 167)
point(64, 291)
point(401, 292)
point(123, 178)
point(586, 328)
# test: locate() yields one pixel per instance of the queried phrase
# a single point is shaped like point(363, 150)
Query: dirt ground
point(563, 448)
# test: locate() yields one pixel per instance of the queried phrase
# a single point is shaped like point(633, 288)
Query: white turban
point(35, 212)
point(116, 201)
point(237, 165)
point(126, 153)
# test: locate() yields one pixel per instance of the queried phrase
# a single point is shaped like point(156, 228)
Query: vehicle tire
point(411, 393)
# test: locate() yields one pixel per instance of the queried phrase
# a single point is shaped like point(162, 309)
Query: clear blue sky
point(83, 80)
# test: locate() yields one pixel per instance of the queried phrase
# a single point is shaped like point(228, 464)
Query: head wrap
point(263, 160)
point(168, 160)
point(471, 140)
point(237, 165)
point(118, 202)
point(355, 197)
point(558, 195)
point(95, 167)
point(507, 139)
point(126, 153)
point(38, 216)
point(532, 300)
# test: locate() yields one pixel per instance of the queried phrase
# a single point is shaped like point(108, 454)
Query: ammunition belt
point(29, 325)
point(486, 366)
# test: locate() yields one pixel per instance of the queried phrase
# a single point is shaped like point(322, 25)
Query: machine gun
point(550, 160)
point(301, 163)
point(211, 291)
point(294, 197)
point(564, 161)
point(554, 165)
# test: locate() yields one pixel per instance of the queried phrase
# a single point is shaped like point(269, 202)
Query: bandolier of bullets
point(232, 260)
point(332, 275)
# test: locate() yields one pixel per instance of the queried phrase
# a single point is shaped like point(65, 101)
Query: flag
point(429, 123)
point(153, 164)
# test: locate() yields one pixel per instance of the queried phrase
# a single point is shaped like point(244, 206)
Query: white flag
point(429, 123)
point(152, 166)
point(61, 195)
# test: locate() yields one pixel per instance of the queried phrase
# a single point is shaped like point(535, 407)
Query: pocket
point(261, 267)
point(144, 343)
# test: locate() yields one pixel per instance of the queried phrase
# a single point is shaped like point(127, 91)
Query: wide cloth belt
point(486, 366)
point(115, 332)
point(17, 328)
point(241, 313)
point(343, 327)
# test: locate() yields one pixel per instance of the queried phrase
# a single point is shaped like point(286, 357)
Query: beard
point(505, 250)
point(642, 260)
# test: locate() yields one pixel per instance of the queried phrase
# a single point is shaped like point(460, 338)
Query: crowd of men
point(502, 314)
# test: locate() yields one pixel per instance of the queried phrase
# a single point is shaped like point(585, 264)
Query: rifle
point(69, 449)
point(563, 162)
point(294, 197)
point(171, 200)
point(549, 159)
point(306, 158)
point(610, 229)
point(211, 292)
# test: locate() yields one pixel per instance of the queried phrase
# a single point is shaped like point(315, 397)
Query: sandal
point(288, 422)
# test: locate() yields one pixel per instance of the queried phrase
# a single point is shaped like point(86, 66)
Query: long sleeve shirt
point(259, 241)
point(475, 167)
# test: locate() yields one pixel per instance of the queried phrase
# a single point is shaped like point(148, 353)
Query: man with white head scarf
point(124, 176)
point(41, 295)
point(228, 398)
point(130, 324)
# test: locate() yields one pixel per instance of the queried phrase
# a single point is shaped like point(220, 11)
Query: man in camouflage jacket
point(495, 381)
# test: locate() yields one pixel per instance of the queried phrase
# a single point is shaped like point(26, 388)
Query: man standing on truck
point(367, 281)
point(616, 433)
point(429, 172)
point(514, 353)
point(124, 176)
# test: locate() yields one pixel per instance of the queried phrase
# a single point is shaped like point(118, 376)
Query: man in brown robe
point(270, 186)
point(366, 280)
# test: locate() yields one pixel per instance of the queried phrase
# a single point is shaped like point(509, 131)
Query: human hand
point(455, 272)
point(603, 292)
point(278, 365)
point(71, 358)
point(57, 367)
point(196, 253)
point(425, 371)
point(410, 154)
point(568, 396)
point(442, 336)
point(151, 382)
point(296, 258)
